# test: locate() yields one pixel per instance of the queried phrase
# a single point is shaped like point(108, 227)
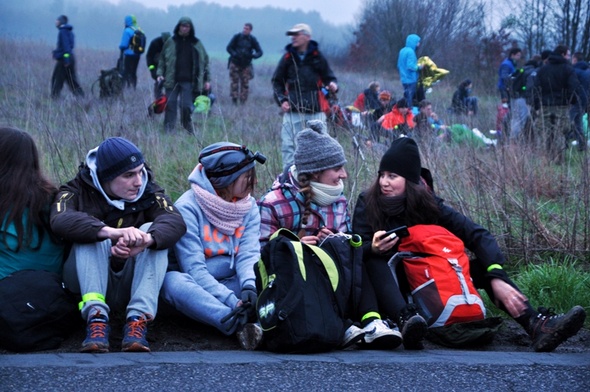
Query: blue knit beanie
point(224, 162)
point(115, 156)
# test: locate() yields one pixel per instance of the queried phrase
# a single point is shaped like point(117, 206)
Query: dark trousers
point(185, 91)
point(65, 73)
point(130, 63)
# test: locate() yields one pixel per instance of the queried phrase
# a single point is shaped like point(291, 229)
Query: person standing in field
point(130, 58)
point(407, 66)
point(65, 63)
point(242, 48)
point(303, 72)
point(184, 70)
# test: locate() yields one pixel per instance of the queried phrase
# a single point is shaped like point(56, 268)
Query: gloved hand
point(237, 318)
point(249, 295)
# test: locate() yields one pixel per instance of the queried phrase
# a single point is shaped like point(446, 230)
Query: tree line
point(458, 35)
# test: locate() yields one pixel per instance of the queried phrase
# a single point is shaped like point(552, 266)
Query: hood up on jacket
point(412, 41)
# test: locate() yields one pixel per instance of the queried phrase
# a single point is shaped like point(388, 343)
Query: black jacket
point(557, 83)
point(153, 53)
point(242, 49)
point(80, 211)
point(476, 238)
point(299, 81)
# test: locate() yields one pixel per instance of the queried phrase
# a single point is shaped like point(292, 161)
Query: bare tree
point(450, 31)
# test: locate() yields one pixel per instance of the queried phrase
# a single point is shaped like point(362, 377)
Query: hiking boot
point(379, 336)
point(97, 335)
point(134, 334)
point(413, 328)
point(548, 330)
point(352, 335)
point(250, 336)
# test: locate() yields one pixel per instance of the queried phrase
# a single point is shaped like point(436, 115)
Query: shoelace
point(98, 329)
point(137, 327)
point(547, 313)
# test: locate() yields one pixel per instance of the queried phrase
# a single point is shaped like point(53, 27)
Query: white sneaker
point(352, 335)
point(250, 336)
point(378, 335)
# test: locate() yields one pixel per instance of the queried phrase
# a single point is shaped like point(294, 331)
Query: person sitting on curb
point(216, 284)
point(121, 224)
point(308, 200)
point(403, 194)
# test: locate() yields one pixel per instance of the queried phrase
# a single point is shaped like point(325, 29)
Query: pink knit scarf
point(223, 215)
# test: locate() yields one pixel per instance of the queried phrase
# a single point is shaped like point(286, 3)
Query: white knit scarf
point(225, 216)
point(323, 194)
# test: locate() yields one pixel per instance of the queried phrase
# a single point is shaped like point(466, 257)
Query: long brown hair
point(23, 187)
point(420, 206)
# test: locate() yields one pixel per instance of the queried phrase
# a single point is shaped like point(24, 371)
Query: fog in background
point(99, 24)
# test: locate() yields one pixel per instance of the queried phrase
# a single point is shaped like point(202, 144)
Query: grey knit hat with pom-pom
point(316, 150)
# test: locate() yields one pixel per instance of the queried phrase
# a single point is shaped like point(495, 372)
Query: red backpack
point(437, 270)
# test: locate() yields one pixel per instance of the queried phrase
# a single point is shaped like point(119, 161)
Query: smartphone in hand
point(400, 232)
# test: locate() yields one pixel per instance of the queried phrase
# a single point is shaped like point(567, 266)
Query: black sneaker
point(548, 330)
point(413, 328)
point(134, 334)
point(97, 335)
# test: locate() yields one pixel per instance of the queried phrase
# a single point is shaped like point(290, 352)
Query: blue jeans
point(187, 296)
point(293, 123)
point(410, 92)
point(135, 287)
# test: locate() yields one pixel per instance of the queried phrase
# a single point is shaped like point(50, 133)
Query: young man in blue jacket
point(65, 65)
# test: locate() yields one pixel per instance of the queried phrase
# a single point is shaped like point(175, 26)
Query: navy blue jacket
point(65, 44)
point(582, 70)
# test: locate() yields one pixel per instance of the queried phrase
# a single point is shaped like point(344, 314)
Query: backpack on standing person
point(436, 268)
point(138, 41)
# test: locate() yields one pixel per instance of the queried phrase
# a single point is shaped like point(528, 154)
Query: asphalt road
point(428, 370)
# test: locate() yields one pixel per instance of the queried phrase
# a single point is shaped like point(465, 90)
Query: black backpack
point(523, 81)
point(110, 83)
point(36, 311)
point(305, 293)
point(137, 41)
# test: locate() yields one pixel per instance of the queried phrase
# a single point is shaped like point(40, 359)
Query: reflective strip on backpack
point(453, 302)
point(464, 288)
point(262, 271)
point(329, 265)
point(298, 247)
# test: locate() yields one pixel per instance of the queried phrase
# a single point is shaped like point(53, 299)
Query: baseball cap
point(300, 28)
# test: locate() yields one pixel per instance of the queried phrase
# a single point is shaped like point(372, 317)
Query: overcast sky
point(333, 11)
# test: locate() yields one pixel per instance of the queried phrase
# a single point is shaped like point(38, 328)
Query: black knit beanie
point(403, 159)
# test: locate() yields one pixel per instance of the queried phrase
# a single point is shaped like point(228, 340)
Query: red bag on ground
point(437, 270)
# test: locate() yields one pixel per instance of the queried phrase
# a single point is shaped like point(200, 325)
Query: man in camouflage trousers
point(243, 48)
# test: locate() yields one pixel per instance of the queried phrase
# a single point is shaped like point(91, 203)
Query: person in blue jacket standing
point(407, 66)
point(130, 58)
point(65, 70)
